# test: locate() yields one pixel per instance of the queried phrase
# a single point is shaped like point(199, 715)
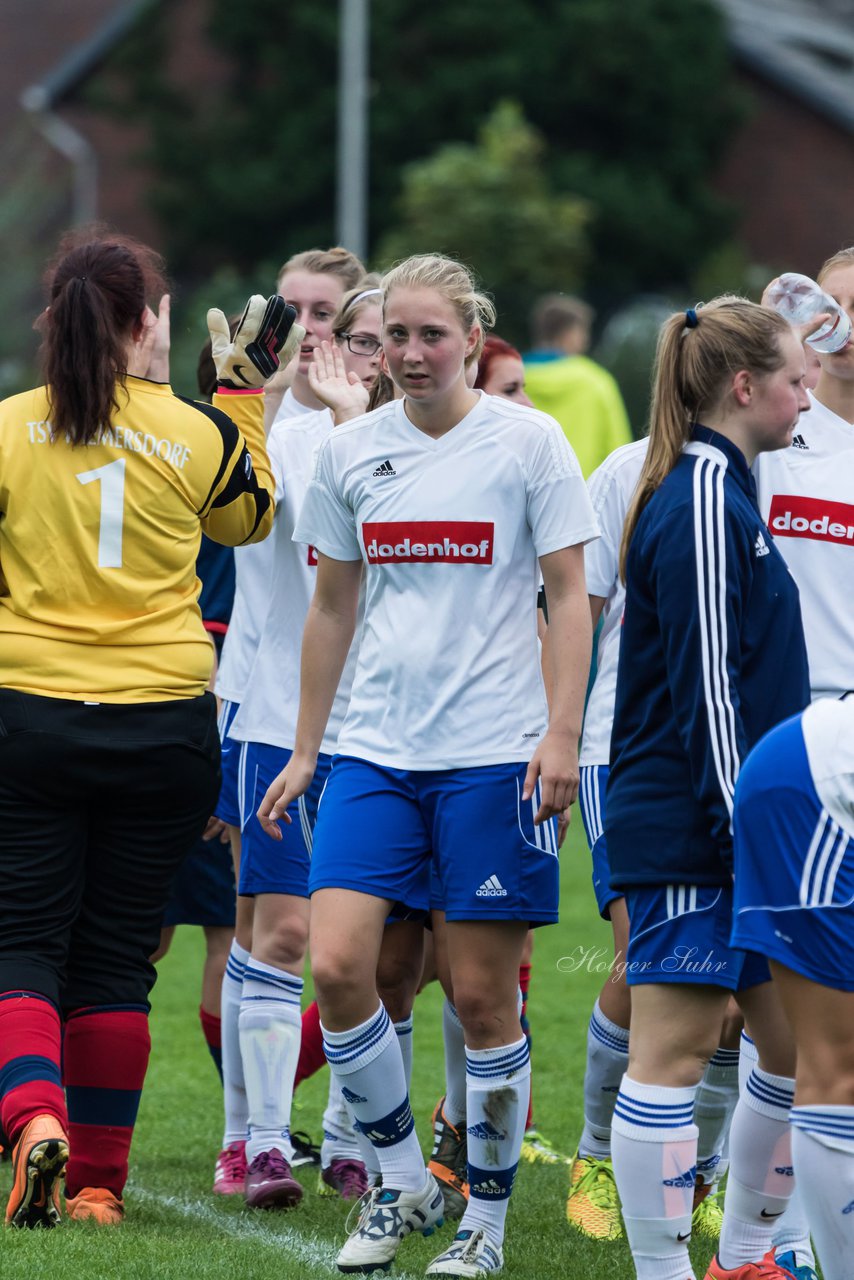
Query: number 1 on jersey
point(112, 478)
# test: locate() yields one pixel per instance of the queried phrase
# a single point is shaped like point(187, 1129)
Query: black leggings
point(99, 803)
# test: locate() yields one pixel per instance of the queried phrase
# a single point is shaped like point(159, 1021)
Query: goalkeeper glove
point(265, 336)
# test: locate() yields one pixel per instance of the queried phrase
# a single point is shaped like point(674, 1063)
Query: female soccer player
point(313, 283)
point(500, 371)
point(448, 498)
point(712, 655)
point(793, 824)
point(104, 665)
point(274, 877)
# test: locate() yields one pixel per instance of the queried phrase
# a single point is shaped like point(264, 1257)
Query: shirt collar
point(737, 463)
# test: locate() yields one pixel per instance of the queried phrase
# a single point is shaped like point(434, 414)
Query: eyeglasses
point(360, 344)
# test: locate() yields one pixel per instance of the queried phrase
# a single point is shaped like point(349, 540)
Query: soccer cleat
point(305, 1151)
point(766, 1269)
point(447, 1163)
point(708, 1216)
point(230, 1170)
point(789, 1262)
point(38, 1167)
point(385, 1217)
point(345, 1178)
point(95, 1204)
point(270, 1183)
point(538, 1150)
point(593, 1205)
point(470, 1254)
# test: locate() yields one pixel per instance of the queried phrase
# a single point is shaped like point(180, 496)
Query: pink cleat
point(230, 1170)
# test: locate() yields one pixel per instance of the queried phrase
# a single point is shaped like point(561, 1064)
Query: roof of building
point(804, 47)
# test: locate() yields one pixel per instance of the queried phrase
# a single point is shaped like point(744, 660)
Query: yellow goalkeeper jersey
point(98, 543)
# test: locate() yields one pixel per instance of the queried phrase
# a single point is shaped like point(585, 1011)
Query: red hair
point(493, 348)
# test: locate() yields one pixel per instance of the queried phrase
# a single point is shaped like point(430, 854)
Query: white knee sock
point(823, 1153)
point(760, 1171)
point(403, 1031)
point(713, 1110)
point(270, 1034)
point(455, 1065)
point(747, 1060)
point(654, 1150)
point(234, 1089)
point(369, 1067)
point(607, 1060)
point(339, 1137)
point(498, 1086)
point(793, 1229)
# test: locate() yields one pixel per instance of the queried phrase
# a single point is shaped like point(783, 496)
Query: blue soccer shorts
point(680, 933)
point(794, 865)
point(593, 784)
point(228, 805)
point(268, 865)
point(381, 830)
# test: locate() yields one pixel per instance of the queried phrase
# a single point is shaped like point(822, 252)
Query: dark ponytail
point(98, 286)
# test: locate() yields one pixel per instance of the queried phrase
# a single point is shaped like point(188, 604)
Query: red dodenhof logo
point(817, 518)
point(428, 541)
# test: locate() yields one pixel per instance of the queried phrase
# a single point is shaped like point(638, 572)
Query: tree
point(490, 205)
point(633, 101)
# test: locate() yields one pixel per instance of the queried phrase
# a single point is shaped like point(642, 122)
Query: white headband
point(368, 293)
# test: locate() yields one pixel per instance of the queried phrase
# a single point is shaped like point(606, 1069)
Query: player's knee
point(282, 944)
point(483, 1016)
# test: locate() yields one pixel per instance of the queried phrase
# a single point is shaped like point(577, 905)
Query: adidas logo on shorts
point(385, 469)
point(485, 1131)
point(491, 888)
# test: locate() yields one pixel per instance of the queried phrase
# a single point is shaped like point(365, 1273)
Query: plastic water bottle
point(800, 300)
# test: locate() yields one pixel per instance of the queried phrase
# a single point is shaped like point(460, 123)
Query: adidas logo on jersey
point(798, 442)
point(485, 1131)
point(491, 888)
point(349, 1096)
point(686, 1179)
point(762, 548)
point(385, 469)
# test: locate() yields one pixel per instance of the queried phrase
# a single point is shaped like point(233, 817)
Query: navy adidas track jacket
point(712, 657)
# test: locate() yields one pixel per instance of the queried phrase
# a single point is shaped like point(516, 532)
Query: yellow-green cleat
point(593, 1205)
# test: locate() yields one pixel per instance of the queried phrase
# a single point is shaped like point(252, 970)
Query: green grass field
point(176, 1229)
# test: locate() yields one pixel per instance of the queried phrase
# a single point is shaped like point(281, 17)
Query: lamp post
point(351, 203)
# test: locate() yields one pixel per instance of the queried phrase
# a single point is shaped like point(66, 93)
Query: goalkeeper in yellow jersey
point(109, 753)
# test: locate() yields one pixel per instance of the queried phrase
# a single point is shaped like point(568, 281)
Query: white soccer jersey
point(806, 495)
point(253, 569)
point(611, 488)
point(268, 712)
point(449, 531)
point(828, 728)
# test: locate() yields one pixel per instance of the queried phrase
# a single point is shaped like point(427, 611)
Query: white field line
point(308, 1250)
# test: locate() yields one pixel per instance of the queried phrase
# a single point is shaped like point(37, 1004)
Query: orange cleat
point(447, 1163)
point(593, 1204)
point(38, 1167)
point(766, 1269)
point(95, 1204)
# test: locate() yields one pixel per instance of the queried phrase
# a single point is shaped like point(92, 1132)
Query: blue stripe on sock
point(112, 1108)
point(352, 1049)
point(26, 1069)
point(724, 1058)
point(491, 1184)
point(769, 1094)
point(501, 1066)
point(390, 1129)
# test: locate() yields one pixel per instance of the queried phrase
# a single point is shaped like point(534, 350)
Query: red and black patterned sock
point(105, 1057)
point(30, 1074)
